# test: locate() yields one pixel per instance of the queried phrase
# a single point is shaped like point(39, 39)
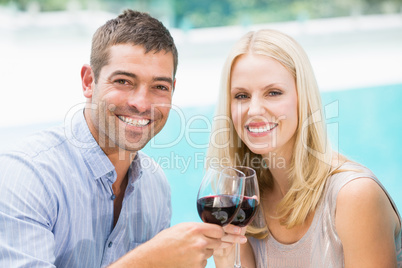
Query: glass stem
point(237, 263)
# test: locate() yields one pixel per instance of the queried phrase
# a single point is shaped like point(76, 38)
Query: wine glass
point(249, 206)
point(220, 195)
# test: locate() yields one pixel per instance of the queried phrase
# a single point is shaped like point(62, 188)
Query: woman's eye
point(275, 93)
point(241, 96)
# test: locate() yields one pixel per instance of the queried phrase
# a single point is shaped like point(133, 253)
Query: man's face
point(132, 98)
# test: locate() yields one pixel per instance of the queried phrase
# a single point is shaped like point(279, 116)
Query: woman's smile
point(263, 103)
point(257, 129)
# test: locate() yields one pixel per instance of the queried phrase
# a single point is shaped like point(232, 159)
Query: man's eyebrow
point(163, 79)
point(118, 72)
point(132, 75)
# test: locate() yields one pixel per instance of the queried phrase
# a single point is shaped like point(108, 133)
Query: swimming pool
point(365, 124)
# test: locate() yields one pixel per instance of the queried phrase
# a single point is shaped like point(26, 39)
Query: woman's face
point(263, 104)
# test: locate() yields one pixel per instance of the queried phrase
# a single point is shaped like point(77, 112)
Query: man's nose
point(140, 99)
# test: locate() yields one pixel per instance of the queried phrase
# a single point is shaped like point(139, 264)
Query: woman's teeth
point(134, 122)
point(261, 129)
point(258, 130)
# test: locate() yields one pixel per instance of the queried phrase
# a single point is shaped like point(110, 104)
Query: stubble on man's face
point(133, 101)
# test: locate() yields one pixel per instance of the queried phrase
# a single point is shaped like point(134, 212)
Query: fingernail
point(243, 240)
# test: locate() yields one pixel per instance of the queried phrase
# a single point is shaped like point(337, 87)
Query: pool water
point(364, 124)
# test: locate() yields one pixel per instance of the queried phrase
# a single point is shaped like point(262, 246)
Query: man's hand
point(186, 245)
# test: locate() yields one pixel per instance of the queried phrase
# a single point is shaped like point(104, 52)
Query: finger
point(212, 243)
point(243, 230)
point(208, 253)
point(212, 230)
point(225, 245)
point(232, 229)
point(229, 238)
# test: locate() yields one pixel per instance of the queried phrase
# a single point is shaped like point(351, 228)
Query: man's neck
point(121, 161)
point(121, 164)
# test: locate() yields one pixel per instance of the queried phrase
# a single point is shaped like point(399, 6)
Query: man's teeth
point(134, 122)
point(261, 129)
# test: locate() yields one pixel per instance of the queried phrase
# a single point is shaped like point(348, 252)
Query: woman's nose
point(256, 106)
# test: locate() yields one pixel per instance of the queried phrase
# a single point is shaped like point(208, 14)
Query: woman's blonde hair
point(311, 159)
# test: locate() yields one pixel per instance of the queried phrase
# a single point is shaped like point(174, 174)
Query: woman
point(318, 209)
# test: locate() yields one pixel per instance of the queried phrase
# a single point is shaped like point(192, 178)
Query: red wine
point(219, 209)
point(247, 211)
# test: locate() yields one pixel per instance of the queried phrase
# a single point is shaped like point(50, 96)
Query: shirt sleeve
point(166, 204)
point(168, 211)
point(26, 209)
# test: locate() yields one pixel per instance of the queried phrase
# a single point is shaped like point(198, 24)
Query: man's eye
point(162, 88)
point(121, 82)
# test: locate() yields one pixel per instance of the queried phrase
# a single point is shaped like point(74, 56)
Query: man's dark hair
point(135, 28)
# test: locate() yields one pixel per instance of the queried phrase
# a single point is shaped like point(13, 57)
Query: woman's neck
point(279, 166)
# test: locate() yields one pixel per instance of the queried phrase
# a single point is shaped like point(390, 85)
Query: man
point(78, 195)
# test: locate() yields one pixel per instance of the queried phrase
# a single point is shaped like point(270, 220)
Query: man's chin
point(133, 146)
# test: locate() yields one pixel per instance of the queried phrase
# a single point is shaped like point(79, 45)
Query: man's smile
point(134, 122)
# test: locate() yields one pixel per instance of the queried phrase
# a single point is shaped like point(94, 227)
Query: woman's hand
point(224, 255)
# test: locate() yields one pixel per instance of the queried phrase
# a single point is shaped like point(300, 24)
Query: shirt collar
point(135, 170)
point(78, 133)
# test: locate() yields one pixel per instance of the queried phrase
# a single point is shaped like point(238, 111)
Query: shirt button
point(110, 244)
point(110, 174)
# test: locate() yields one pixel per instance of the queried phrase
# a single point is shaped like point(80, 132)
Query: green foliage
point(208, 13)
point(43, 5)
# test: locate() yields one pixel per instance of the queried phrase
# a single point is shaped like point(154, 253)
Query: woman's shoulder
point(346, 172)
point(365, 215)
point(360, 189)
point(350, 180)
point(356, 190)
point(350, 174)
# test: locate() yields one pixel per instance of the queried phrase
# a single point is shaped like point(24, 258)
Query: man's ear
point(174, 86)
point(88, 80)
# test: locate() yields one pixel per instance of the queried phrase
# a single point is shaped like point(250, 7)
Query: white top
point(321, 245)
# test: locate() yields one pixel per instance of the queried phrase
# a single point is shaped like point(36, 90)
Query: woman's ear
point(88, 80)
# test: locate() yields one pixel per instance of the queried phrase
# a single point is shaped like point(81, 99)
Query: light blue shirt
point(56, 206)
